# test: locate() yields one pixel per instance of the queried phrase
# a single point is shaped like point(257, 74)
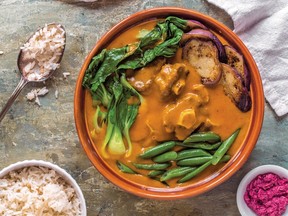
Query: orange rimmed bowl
point(238, 159)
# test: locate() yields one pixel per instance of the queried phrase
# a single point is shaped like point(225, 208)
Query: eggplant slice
point(234, 88)
point(236, 60)
point(203, 56)
point(205, 34)
point(194, 24)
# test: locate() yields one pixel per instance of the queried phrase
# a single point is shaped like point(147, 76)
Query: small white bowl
point(66, 176)
point(242, 206)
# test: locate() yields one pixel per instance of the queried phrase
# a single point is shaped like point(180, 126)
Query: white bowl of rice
point(36, 187)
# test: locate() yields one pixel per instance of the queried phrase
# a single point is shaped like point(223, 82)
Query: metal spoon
point(22, 62)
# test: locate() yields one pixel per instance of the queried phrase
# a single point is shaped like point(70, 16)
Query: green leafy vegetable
point(142, 33)
point(101, 96)
point(109, 60)
point(113, 136)
point(167, 48)
point(161, 41)
point(98, 119)
point(180, 23)
point(121, 115)
point(127, 85)
point(128, 115)
point(106, 81)
point(92, 69)
point(116, 144)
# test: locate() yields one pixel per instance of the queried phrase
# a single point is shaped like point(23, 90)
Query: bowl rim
point(63, 173)
point(256, 115)
point(241, 204)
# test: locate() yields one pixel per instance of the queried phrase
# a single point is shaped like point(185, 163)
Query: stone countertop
point(48, 131)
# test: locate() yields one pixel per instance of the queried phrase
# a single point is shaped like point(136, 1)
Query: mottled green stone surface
point(48, 132)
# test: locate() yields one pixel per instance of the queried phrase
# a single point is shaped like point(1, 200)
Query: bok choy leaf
point(111, 89)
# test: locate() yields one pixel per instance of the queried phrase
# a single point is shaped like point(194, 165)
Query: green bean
point(165, 157)
point(189, 153)
point(200, 169)
point(204, 146)
point(176, 172)
point(125, 169)
point(224, 147)
point(210, 137)
point(154, 166)
point(157, 150)
point(196, 161)
point(154, 173)
point(225, 158)
point(195, 172)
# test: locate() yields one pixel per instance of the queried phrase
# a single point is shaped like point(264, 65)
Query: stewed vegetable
point(161, 98)
point(185, 163)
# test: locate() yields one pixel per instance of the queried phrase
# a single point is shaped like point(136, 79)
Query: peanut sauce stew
point(175, 104)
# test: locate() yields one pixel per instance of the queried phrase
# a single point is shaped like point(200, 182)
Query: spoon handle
point(22, 83)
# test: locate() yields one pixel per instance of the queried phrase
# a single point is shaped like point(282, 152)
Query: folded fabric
point(263, 27)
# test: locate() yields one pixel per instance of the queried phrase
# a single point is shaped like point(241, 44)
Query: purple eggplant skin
point(247, 79)
point(234, 88)
point(236, 60)
point(205, 35)
point(193, 24)
point(245, 102)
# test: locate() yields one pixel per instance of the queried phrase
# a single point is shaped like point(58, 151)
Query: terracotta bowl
point(236, 161)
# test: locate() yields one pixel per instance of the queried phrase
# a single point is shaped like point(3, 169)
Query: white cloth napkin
point(263, 27)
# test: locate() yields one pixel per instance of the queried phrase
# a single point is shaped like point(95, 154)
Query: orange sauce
point(222, 113)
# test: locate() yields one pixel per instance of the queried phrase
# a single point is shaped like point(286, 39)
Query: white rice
point(34, 93)
point(66, 74)
point(37, 191)
point(56, 94)
point(43, 51)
